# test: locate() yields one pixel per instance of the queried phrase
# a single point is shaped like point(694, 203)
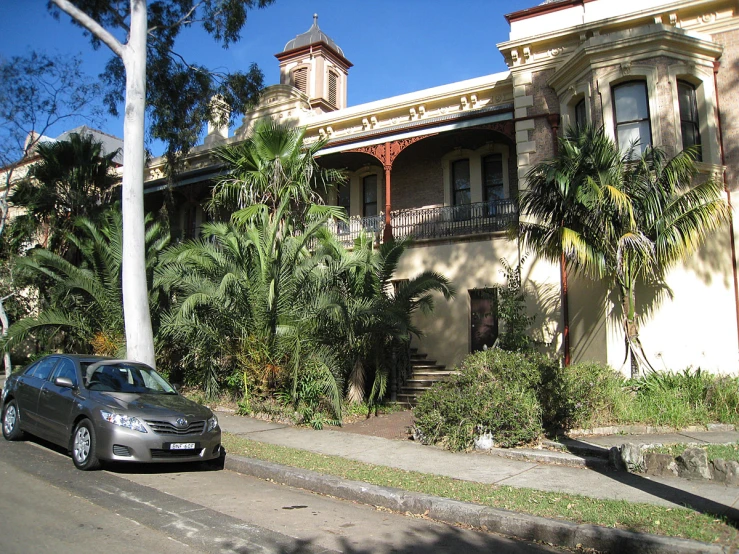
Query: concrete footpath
point(597, 481)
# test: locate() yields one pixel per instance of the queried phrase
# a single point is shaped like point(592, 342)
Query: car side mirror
point(64, 382)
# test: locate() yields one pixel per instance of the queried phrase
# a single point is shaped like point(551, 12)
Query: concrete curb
point(647, 429)
point(512, 524)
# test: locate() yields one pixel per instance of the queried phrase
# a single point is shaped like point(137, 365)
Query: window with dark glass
point(333, 85)
point(369, 195)
point(342, 197)
point(689, 123)
point(581, 118)
point(189, 223)
point(43, 369)
point(631, 108)
point(492, 177)
point(461, 182)
point(66, 369)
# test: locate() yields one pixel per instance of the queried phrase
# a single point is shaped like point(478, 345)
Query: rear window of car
point(43, 368)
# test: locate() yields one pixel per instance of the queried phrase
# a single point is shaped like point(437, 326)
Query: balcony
point(433, 223)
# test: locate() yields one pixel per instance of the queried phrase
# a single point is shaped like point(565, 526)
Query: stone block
point(632, 457)
point(693, 464)
point(726, 471)
point(660, 465)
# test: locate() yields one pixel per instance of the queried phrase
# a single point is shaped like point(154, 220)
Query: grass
point(726, 452)
point(644, 518)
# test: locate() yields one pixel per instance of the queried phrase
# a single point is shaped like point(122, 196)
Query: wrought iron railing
point(348, 231)
point(428, 223)
point(449, 221)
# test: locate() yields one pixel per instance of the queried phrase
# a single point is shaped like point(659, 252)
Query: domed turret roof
point(314, 35)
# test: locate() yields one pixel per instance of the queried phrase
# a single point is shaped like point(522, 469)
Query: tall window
point(190, 222)
point(581, 118)
point(631, 106)
point(461, 182)
point(689, 124)
point(342, 196)
point(300, 79)
point(492, 177)
point(369, 195)
point(333, 84)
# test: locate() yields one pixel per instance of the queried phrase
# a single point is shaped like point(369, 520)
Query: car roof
point(82, 357)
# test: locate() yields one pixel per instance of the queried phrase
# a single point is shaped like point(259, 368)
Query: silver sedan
point(102, 409)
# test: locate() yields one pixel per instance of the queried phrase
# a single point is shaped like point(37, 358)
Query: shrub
point(668, 398)
point(722, 399)
point(579, 396)
point(491, 394)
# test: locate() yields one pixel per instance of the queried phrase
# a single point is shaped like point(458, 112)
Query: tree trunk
point(4, 324)
point(139, 335)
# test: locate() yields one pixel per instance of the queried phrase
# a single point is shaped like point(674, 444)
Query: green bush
point(491, 394)
point(581, 395)
point(669, 398)
point(722, 399)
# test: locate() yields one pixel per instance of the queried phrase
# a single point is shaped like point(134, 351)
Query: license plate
point(182, 446)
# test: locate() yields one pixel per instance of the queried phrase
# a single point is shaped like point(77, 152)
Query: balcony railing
point(449, 221)
point(348, 231)
point(429, 223)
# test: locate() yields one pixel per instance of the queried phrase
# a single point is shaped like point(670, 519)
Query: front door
point(483, 318)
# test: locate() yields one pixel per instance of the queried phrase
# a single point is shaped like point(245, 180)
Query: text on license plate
point(182, 446)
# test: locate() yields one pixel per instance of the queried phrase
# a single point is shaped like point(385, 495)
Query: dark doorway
point(483, 318)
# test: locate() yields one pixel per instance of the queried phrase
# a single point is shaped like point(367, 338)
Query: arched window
point(461, 186)
point(581, 117)
point(689, 122)
point(369, 195)
point(631, 109)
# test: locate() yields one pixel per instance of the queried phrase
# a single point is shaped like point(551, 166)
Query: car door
point(29, 390)
point(56, 404)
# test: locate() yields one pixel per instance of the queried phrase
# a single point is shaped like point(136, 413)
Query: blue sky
point(396, 46)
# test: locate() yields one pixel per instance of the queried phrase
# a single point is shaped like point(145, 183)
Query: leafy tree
point(37, 92)
point(85, 298)
point(619, 216)
point(512, 309)
point(178, 97)
point(72, 178)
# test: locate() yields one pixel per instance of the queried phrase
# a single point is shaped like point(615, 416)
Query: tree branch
point(91, 25)
point(184, 19)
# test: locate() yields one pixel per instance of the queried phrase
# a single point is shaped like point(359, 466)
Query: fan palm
point(619, 217)
point(274, 165)
point(85, 298)
point(72, 179)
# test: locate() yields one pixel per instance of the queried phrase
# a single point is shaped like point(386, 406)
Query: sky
point(396, 46)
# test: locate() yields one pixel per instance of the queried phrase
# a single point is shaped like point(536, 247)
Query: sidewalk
point(597, 482)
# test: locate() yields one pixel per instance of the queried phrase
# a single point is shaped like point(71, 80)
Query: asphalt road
point(46, 505)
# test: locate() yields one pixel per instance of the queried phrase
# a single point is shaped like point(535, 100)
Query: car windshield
point(127, 377)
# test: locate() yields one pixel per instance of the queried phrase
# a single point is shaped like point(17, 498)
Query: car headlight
point(132, 423)
point(212, 424)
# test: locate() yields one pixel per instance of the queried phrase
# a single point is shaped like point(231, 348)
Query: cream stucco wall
point(474, 265)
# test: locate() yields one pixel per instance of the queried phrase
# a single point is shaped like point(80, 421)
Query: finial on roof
point(315, 20)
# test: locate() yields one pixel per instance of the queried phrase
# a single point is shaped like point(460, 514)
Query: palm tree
point(85, 298)
point(272, 166)
point(620, 217)
point(247, 298)
point(72, 179)
point(375, 319)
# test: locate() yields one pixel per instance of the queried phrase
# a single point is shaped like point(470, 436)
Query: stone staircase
point(424, 373)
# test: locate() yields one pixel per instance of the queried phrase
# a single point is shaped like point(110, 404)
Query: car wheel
point(83, 447)
point(12, 422)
